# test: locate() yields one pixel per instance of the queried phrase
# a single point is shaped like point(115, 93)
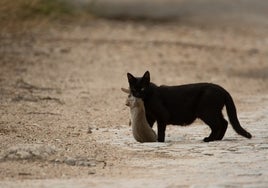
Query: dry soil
point(63, 122)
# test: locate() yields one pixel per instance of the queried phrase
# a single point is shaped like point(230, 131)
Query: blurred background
point(237, 11)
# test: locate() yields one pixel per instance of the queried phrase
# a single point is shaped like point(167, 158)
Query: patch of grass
point(45, 8)
point(27, 9)
point(16, 12)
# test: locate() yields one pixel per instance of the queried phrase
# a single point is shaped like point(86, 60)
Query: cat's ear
point(146, 78)
point(131, 78)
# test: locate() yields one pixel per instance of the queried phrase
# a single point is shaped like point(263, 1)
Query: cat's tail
point(231, 112)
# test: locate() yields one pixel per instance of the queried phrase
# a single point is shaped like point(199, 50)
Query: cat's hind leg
point(214, 122)
point(212, 136)
point(223, 128)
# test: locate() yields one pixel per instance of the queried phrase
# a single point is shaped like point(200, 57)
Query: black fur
point(181, 105)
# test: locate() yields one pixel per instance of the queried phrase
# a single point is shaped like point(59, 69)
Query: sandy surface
point(63, 120)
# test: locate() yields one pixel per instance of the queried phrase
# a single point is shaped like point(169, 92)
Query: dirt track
point(61, 89)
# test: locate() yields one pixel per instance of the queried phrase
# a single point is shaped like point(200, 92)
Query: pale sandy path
point(60, 88)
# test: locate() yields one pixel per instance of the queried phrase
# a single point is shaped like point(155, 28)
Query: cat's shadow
point(196, 141)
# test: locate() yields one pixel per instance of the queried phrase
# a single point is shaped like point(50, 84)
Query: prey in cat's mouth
point(127, 103)
point(141, 130)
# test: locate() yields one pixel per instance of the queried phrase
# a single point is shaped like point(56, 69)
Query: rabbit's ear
point(125, 90)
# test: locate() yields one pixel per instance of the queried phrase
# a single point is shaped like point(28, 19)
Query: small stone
point(70, 161)
point(89, 130)
point(91, 172)
point(57, 161)
point(24, 174)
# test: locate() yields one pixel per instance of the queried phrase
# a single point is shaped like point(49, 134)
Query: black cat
point(181, 105)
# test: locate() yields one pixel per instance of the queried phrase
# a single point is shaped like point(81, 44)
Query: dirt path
point(64, 123)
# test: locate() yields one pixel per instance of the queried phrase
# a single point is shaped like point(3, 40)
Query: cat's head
point(138, 85)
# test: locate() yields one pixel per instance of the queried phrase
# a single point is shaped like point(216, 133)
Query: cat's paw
point(208, 139)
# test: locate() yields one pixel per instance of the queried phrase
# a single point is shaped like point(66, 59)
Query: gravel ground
point(63, 119)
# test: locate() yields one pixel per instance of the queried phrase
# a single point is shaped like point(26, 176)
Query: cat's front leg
point(161, 115)
point(161, 129)
point(150, 120)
